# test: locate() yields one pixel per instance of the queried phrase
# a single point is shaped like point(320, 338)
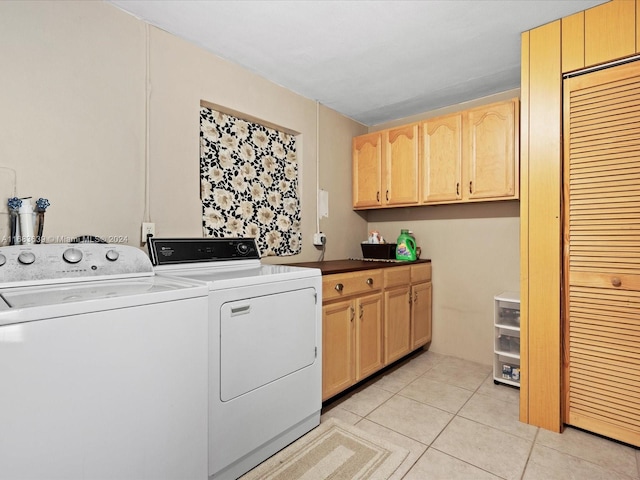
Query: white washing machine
point(103, 366)
point(265, 338)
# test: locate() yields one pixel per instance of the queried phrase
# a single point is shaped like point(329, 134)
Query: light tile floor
point(457, 424)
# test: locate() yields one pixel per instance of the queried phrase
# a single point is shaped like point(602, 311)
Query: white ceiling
point(373, 61)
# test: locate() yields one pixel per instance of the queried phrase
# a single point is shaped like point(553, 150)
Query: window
point(249, 183)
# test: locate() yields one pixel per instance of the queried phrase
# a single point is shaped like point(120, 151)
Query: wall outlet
point(148, 229)
point(319, 239)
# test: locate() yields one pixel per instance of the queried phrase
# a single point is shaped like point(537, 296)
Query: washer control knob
point(26, 258)
point(243, 248)
point(3, 259)
point(112, 255)
point(72, 255)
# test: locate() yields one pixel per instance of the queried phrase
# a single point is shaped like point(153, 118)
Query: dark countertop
point(342, 266)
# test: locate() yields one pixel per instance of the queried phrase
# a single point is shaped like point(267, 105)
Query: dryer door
point(265, 338)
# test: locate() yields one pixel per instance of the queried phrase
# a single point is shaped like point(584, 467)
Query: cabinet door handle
point(339, 287)
point(387, 195)
point(616, 282)
point(457, 189)
point(471, 187)
point(415, 297)
point(377, 196)
point(369, 281)
point(353, 313)
point(361, 311)
point(409, 298)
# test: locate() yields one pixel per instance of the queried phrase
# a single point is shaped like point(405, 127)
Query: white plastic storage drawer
point(506, 339)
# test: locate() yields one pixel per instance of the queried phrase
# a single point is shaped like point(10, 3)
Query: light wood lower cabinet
point(372, 318)
point(352, 329)
point(420, 315)
point(368, 325)
point(397, 313)
point(338, 341)
point(407, 310)
point(352, 342)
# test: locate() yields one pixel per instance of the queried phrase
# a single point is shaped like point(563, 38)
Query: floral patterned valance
point(249, 183)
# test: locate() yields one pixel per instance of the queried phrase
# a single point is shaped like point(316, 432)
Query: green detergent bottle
point(406, 248)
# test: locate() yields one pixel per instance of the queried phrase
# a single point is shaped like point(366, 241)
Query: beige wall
point(344, 228)
point(475, 253)
point(74, 126)
point(181, 76)
point(72, 115)
point(474, 250)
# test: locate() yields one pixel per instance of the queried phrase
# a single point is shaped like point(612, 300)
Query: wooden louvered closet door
point(602, 252)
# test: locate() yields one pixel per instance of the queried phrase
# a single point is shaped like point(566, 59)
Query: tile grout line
point(479, 423)
point(456, 414)
point(533, 444)
point(394, 394)
point(453, 416)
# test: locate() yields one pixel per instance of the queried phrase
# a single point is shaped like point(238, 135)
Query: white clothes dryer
point(265, 337)
point(103, 366)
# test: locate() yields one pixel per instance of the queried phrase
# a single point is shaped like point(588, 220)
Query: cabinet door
point(442, 159)
point(420, 314)
point(397, 323)
point(367, 170)
point(368, 335)
point(401, 165)
point(338, 369)
point(491, 151)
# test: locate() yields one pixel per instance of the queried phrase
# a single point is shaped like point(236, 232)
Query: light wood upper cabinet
point(471, 155)
point(467, 156)
point(367, 170)
point(492, 153)
point(441, 140)
point(400, 173)
point(385, 168)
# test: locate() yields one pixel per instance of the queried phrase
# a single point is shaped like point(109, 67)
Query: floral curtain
point(249, 183)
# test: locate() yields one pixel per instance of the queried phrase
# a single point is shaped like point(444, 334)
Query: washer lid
point(82, 292)
point(23, 304)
